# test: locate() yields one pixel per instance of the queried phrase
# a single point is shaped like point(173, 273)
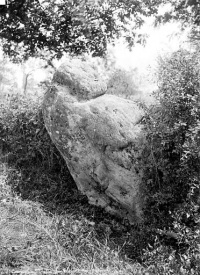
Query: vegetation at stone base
point(34, 241)
point(56, 229)
point(46, 225)
point(38, 173)
point(76, 239)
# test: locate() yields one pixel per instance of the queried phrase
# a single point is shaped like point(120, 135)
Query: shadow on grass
point(55, 189)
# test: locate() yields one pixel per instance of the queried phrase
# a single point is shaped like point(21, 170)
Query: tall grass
point(36, 242)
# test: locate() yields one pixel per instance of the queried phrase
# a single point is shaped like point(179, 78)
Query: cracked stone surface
point(99, 136)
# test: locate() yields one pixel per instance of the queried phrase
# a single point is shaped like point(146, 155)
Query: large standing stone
point(99, 136)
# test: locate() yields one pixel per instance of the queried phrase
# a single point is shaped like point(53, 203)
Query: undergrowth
point(37, 241)
point(47, 226)
point(171, 167)
point(66, 233)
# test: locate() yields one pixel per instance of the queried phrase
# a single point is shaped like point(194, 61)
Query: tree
point(185, 11)
point(29, 26)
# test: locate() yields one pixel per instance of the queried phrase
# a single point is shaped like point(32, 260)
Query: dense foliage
point(27, 147)
point(173, 131)
point(168, 243)
point(28, 27)
point(186, 11)
point(171, 167)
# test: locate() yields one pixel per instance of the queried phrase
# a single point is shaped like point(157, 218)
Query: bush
point(173, 127)
point(170, 163)
point(27, 147)
point(23, 134)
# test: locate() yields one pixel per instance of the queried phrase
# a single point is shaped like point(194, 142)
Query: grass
point(75, 238)
point(34, 241)
point(48, 227)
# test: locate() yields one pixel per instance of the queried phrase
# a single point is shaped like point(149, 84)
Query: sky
point(161, 40)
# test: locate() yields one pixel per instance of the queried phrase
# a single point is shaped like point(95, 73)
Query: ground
point(70, 238)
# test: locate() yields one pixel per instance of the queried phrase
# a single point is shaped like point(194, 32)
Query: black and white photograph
point(99, 137)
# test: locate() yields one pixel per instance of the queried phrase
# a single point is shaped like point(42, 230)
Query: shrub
point(28, 148)
point(172, 125)
point(22, 128)
point(171, 166)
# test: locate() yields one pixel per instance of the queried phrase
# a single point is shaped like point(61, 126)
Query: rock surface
point(99, 136)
